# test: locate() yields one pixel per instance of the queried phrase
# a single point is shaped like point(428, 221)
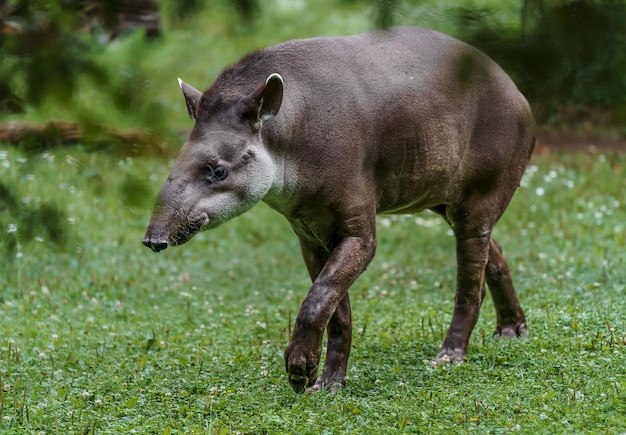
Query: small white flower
point(539, 191)
point(86, 394)
point(71, 161)
point(12, 228)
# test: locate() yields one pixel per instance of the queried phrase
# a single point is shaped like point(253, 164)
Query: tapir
point(331, 131)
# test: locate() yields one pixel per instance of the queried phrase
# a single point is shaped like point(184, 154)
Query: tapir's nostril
point(156, 246)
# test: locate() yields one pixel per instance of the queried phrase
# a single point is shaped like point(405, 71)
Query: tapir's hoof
point(511, 331)
point(302, 375)
point(298, 383)
point(450, 357)
point(331, 386)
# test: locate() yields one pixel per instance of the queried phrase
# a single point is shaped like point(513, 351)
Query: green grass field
point(98, 335)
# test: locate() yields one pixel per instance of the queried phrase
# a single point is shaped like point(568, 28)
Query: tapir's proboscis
point(331, 131)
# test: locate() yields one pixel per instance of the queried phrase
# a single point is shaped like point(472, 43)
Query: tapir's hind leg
point(472, 251)
point(479, 260)
point(509, 313)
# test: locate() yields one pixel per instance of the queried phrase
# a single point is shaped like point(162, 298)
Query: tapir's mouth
point(182, 234)
point(185, 233)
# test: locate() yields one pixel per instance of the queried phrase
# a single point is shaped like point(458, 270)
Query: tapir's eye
point(218, 173)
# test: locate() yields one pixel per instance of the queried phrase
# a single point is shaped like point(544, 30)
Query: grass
point(99, 335)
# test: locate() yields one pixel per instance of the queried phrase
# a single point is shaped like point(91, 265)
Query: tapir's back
point(408, 102)
point(406, 67)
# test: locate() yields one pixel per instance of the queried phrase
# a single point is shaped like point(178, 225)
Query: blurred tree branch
point(35, 138)
point(48, 49)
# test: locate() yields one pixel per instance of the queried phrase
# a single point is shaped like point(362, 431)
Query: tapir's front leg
point(339, 333)
point(327, 298)
point(339, 329)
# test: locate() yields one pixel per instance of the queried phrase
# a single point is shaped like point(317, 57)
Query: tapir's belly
point(422, 199)
point(415, 176)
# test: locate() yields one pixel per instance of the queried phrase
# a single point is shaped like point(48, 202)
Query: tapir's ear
point(272, 97)
point(192, 98)
point(264, 103)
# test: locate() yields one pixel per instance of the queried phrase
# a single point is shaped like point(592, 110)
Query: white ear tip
point(274, 76)
point(180, 83)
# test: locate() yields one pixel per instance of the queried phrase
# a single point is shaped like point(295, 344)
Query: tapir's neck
point(278, 140)
point(282, 193)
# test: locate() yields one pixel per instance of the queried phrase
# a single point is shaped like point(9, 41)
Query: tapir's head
point(222, 170)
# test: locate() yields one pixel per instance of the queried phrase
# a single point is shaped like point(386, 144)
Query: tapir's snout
point(155, 245)
point(159, 234)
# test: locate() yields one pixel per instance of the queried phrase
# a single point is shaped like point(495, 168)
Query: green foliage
point(567, 57)
point(565, 54)
point(44, 56)
point(51, 68)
